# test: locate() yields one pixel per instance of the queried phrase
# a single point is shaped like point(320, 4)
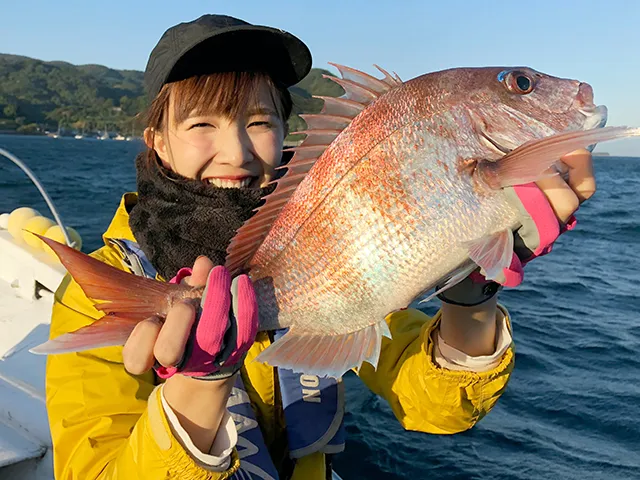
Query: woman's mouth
point(230, 182)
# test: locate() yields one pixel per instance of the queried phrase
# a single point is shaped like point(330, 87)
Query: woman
point(215, 135)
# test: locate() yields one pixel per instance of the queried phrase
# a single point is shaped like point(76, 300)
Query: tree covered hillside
point(37, 96)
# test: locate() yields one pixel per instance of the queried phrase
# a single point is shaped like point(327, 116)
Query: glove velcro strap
point(223, 372)
point(469, 293)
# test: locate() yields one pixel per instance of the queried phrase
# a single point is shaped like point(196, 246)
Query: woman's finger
point(581, 178)
point(560, 195)
point(173, 336)
point(137, 353)
point(200, 272)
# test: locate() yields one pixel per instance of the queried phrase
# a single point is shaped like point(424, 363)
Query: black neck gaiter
point(177, 219)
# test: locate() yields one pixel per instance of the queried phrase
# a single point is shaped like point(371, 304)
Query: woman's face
point(226, 152)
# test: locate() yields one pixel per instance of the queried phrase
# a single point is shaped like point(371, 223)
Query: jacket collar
point(119, 226)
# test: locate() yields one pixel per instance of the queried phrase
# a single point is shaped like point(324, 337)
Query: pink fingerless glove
point(540, 229)
point(225, 327)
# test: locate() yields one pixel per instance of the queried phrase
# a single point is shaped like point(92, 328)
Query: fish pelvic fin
point(531, 161)
point(326, 355)
point(360, 89)
point(107, 331)
point(492, 253)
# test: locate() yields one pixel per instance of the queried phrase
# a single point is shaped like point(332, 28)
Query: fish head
point(511, 106)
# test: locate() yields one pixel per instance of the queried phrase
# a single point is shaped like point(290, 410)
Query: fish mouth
point(596, 117)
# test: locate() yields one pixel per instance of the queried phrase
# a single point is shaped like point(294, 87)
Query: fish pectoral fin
point(492, 253)
point(107, 331)
point(531, 161)
point(326, 355)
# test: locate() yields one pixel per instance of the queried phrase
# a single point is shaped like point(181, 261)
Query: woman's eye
point(261, 123)
point(200, 125)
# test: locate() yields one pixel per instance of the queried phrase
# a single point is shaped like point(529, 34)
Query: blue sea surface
point(572, 407)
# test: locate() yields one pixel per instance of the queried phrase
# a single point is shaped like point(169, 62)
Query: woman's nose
point(234, 148)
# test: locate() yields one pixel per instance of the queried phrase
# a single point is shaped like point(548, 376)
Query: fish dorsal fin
point(322, 129)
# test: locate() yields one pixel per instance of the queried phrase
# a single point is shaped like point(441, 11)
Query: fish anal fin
point(331, 355)
point(492, 253)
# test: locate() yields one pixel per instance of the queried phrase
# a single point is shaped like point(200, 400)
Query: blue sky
point(593, 41)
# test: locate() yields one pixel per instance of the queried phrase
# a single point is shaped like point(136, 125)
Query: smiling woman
point(215, 135)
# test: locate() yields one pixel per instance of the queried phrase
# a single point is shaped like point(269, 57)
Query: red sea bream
point(397, 188)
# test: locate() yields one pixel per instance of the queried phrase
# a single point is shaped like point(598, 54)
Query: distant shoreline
point(287, 143)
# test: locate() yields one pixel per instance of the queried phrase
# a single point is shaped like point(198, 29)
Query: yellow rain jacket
point(109, 424)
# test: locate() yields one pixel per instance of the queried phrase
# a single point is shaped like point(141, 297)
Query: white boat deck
point(27, 278)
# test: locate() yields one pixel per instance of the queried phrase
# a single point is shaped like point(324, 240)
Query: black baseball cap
point(219, 43)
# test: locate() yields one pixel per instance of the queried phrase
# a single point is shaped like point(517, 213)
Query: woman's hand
point(566, 196)
point(471, 327)
point(546, 211)
point(190, 350)
point(165, 340)
point(199, 352)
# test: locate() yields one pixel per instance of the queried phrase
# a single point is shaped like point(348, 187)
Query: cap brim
point(245, 47)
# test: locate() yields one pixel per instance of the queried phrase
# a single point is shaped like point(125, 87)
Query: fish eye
point(523, 83)
point(517, 82)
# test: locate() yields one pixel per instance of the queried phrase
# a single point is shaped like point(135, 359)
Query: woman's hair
point(226, 93)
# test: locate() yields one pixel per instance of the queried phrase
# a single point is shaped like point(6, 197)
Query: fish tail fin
point(126, 299)
point(326, 355)
point(108, 331)
point(531, 161)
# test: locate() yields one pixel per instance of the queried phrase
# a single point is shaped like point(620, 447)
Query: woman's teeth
point(224, 183)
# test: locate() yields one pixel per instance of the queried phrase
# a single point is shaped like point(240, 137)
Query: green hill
point(37, 96)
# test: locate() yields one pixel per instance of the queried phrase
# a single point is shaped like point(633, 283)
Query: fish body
point(397, 188)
